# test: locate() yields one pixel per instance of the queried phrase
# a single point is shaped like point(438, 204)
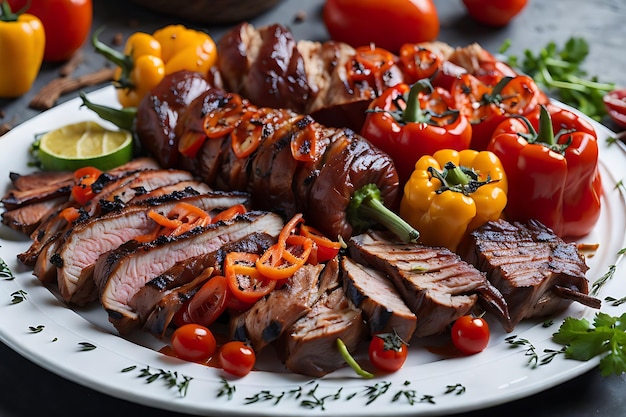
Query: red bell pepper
point(409, 122)
point(485, 105)
point(553, 176)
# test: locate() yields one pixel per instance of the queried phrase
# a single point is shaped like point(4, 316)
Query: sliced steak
point(121, 273)
point(86, 241)
point(148, 302)
point(269, 317)
point(536, 271)
point(309, 347)
point(25, 219)
point(435, 283)
point(374, 293)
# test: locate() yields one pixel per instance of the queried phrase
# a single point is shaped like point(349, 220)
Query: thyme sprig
point(534, 360)
point(36, 329)
point(18, 296)
point(172, 379)
point(5, 271)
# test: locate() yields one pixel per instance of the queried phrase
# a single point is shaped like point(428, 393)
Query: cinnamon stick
point(47, 97)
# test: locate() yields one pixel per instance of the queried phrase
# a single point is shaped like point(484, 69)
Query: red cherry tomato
point(494, 13)
point(387, 352)
point(615, 103)
point(207, 304)
point(193, 342)
point(66, 23)
point(82, 192)
point(470, 334)
point(237, 358)
point(388, 24)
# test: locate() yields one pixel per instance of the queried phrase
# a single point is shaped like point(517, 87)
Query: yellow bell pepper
point(22, 43)
point(146, 59)
point(452, 193)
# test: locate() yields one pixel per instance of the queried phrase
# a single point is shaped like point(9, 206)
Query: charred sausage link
point(318, 178)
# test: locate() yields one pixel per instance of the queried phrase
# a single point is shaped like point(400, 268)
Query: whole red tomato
point(66, 23)
point(389, 24)
point(495, 13)
point(470, 334)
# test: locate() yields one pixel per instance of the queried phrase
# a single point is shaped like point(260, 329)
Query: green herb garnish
point(559, 72)
point(606, 336)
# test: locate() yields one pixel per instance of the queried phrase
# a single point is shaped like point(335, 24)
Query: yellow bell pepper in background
point(452, 193)
point(22, 44)
point(146, 59)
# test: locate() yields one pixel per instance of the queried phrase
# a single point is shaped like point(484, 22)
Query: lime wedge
point(84, 144)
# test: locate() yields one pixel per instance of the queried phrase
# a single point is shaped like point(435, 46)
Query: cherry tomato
point(237, 358)
point(66, 23)
point(207, 304)
point(388, 352)
point(615, 103)
point(470, 334)
point(388, 24)
point(494, 13)
point(193, 342)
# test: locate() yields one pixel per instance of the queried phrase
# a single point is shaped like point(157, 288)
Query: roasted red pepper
point(409, 122)
point(553, 176)
point(485, 106)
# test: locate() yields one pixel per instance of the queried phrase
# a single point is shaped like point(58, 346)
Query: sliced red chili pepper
point(82, 192)
point(249, 133)
point(70, 214)
point(304, 144)
point(190, 143)
point(370, 64)
point(325, 249)
point(221, 121)
point(244, 279)
point(418, 62)
point(282, 260)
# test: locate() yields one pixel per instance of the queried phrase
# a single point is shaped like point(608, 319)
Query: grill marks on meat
point(309, 346)
point(537, 272)
point(320, 189)
point(158, 301)
point(374, 293)
point(87, 241)
point(121, 273)
point(436, 284)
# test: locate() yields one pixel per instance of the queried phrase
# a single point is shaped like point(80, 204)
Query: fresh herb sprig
point(559, 72)
point(605, 336)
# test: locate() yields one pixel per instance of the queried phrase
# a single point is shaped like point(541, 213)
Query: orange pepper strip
point(230, 213)
point(164, 221)
point(70, 214)
point(245, 281)
point(282, 260)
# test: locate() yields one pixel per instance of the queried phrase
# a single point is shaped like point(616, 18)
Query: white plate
point(499, 374)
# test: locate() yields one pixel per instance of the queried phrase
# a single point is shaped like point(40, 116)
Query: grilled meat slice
point(88, 240)
point(158, 113)
point(121, 273)
point(26, 218)
point(536, 271)
point(269, 317)
point(157, 314)
point(435, 283)
point(309, 347)
point(375, 295)
point(33, 188)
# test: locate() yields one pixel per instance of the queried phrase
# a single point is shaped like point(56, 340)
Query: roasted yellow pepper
point(452, 193)
point(146, 59)
point(22, 43)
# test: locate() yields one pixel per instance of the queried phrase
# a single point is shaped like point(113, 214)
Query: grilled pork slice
point(435, 283)
point(536, 271)
point(309, 347)
point(26, 218)
point(269, 317)
point(86, 241)
point(37, 187)
point(121, 273)
point(158, 301)
point(374, 293)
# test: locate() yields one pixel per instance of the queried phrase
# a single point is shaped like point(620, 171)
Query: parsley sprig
point(559, 72)
point(605, 336)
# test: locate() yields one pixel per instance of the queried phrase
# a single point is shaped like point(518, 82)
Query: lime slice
point(84, 144)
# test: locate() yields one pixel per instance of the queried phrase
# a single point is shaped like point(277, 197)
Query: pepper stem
point(545, 133)
point(343, 350)
point(367, 208)
point(413, 111)
point(122, 118)
point(125, 62)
